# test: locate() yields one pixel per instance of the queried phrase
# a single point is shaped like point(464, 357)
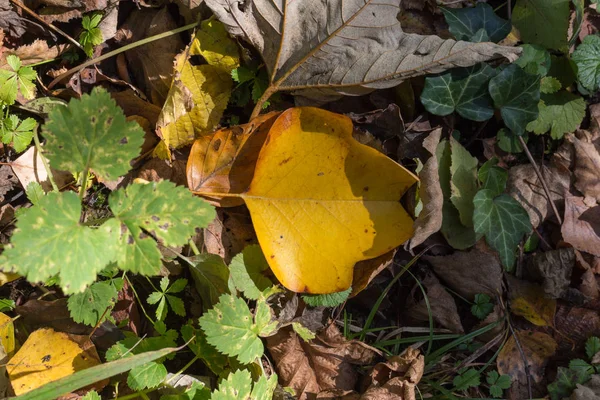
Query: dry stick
point(527, 371)
point(119, 51)
point(541, 178)
point(49, 25)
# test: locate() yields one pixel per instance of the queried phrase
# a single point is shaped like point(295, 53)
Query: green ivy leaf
point(549, 84)
point(587, 58)
point(517, 94)
point(463, 90)
point(50, 240)
point(503, 221)
point(248, 270)
point(482, 307)
point(534, 60)
point(463, 181)
point(168, 212)
point(467, 379)
point(471, 23)
point(92, 133)
point(18, 79)
point(592, 346)
point(20, 133)
point(146, 376)
point(210, 276)
point(238, 386)
point(543, 22)
point(509, 142)
point(559, 113)
point(229, 327)
point(87, 307)
point(327, 300)
point(497, 383)
point(493, 177)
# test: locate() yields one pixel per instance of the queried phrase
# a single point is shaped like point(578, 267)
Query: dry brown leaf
point(429, 219)
point(442, 304)
point(134, 105)
point(577, 324)
point(8, 181)
point(152, 63)
point(581, 225)
point(366, 270)
point(529, 301)
point(553, 269)
point(229, 232)
point(587, 163)
point(224, 161)
point(66, 10)
point(351, 47)
point(589, 285)
point(327, 362)
point(32, 53)
point(10, 21)
point(469, 273)
point(587, 391)
point(537, 348)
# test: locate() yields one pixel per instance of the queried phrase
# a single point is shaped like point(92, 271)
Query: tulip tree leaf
point(559, 113)
point(543, 22)
point(587, 58)
point(463, 90)
point(517, 94)
point(470, 23)
point(503, 221)
point(348, 47)
point(92, 133)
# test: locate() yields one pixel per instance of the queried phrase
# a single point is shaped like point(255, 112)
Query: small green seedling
point(164, 298)
point(91, 35)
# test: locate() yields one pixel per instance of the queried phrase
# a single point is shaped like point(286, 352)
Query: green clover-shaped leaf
point(17, 79)
point(20, 133)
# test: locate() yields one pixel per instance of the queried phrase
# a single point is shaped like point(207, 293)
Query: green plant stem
point(138, 299)
point(38, 147)
point(119, 51)
point(136, 394)
point(182, 370)
point(83, 187)
point(194, 247)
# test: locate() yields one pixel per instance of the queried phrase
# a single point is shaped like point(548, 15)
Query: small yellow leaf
point(199, 93)
point(7, 334)
point(47, 356)
point(320, 201)
point(529, 301)
point(6, 277)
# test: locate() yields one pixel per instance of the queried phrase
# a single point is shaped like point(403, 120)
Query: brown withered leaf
point(8, 181)
point(587, 163)
point(429, 219)
point(442, 304)
point(581, 225)
point(469, 273)
point(577, 324)
point(529, 301)
point(366, 270)
point(134, 105)
point(32, 53)
point(224, 161)
point(589, 285)
point(588, 390)
point(553, 269)
point(537, 348)
point(326, 362)
point(229, 232)
point(10, 21)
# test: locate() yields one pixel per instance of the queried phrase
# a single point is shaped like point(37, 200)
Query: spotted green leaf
point(464, 90)
point(302, 331)
point(92, 133)
point(517, 94)
point(587, 58)
point(503, 221)
point(559, 113)
point(168, 212)
point(17, 79)
point(239, 386)
point(50, 240)
point(90, 305)
point(231, 328)
point(549, 84)
point(248, 271)
point(146, 376)
point(470, 23)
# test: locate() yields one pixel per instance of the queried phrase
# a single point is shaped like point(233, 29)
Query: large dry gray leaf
point(325, 48)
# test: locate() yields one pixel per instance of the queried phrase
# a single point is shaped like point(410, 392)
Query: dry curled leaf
point(33, 53)
point(365, 271)
point(553, 269)
point(580, 227)
point(323, 49)
point(587, 163)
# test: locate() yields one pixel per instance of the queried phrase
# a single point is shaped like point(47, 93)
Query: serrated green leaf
point(493, 177)
point(467, 379)
point(559, 113)
point(50, 240)
point(91, 395)
point(263, 389)
point(263, 319)
point(543, 22)
point(19, 79)
point(146, 376)
point(164, 284)
point(592, 346)
point(302, 331)
point(171, 214)
point(217, 362)
point(463, 90)
point(470, 23)
point(210, 276)
point(161, 309)
point(566, 381)
point(463, 181)
point(327, 300)
point(176, 305)
point(248, 270)
point(243, 74)
point(154, 297)
point(503, 221)
point(87, 307)
point(237, 386)
point(587, 58)
point(534, 60)
point(177, 286)
point(549, 84)
point(504, 381)
point(229, 327)
point(34, 192)
point(581, 365)
point(510, 142)
point(20, 133)
point(92, 133)
point(517, 94)
point(497, 383)
point(482, 307)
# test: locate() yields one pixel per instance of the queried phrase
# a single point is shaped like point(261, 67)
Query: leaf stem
point(83, 187)
point(119, 51)
point(541, 178)
point(38, 148)
point(182, 370)
point(259, 104)
point(215, 194)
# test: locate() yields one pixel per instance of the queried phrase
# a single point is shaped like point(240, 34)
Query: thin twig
point(541, 178)
point(119, 51)
point(527, 371)
point(49, 25)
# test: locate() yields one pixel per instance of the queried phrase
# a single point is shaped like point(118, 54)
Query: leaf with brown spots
point(529, 301)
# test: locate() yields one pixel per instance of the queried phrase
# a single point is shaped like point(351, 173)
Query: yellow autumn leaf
point(7, 334)
point(320, 201)
point(199, 93)
point(47, 356)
